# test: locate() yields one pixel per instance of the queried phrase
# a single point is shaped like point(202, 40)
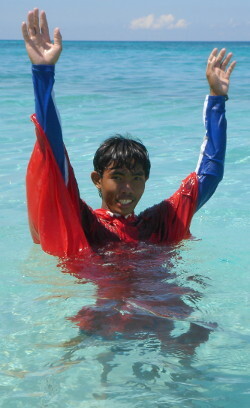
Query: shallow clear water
point(193, 352)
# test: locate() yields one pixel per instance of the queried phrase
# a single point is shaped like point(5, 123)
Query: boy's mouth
point(125, 201)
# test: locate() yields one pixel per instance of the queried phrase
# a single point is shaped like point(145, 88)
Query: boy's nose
point(126, 186)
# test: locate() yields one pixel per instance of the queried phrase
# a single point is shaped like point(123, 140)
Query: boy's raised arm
point(44, 54)
point(210, 166)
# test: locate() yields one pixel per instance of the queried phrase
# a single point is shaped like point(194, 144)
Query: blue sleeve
point(210, 167)
point(46, 112)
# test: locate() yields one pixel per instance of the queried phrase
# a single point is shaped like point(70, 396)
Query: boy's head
point(121, 168)
point(122, 152)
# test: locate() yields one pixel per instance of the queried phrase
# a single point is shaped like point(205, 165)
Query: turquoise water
point(154, 91)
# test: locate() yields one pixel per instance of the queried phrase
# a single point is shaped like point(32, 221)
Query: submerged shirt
point(65, 225)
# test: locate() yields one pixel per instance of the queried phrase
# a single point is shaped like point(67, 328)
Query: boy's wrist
point(218, 97)
point(43, 68)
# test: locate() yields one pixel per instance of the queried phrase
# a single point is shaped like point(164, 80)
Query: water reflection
point(119, 321)
point(137, 296)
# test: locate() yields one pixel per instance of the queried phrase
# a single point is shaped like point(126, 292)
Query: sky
point(134, 20)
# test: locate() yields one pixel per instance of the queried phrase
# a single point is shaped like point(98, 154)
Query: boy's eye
point(138, 178)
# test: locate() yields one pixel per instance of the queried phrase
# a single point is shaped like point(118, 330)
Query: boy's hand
point(40, 49)
point(218, 73)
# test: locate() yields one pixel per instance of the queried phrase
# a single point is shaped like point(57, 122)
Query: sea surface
point(140, 327)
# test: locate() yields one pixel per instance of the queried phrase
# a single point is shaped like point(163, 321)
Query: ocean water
point(186, 341)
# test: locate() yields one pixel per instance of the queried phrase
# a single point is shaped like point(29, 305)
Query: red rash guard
point(65, 226)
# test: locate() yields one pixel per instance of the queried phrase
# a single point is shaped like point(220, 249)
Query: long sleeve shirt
point(165, 222)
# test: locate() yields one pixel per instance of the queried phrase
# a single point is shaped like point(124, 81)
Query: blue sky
point(150, 20)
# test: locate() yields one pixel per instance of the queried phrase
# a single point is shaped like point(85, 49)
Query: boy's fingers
point(221, 55)
point(226, 61)
point(211, 64)
point(213, 54)
point(30, 19)
point(44, 26)
point(36, 20)
point(212, 60)
point(230, 69)
point(25, 32)
point(57, 38)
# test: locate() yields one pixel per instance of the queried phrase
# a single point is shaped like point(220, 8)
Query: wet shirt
point(65, 225)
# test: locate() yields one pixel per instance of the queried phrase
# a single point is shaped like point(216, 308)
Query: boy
point(62, 223)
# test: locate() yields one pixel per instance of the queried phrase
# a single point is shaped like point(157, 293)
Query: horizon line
point(138, 41)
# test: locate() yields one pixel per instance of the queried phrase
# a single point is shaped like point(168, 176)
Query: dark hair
point(121, 151)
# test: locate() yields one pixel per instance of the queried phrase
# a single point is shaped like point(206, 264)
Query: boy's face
point(121, 188)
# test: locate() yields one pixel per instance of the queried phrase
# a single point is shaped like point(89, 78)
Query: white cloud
point(151, 22)
point(165, 20)
point(181, 23)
